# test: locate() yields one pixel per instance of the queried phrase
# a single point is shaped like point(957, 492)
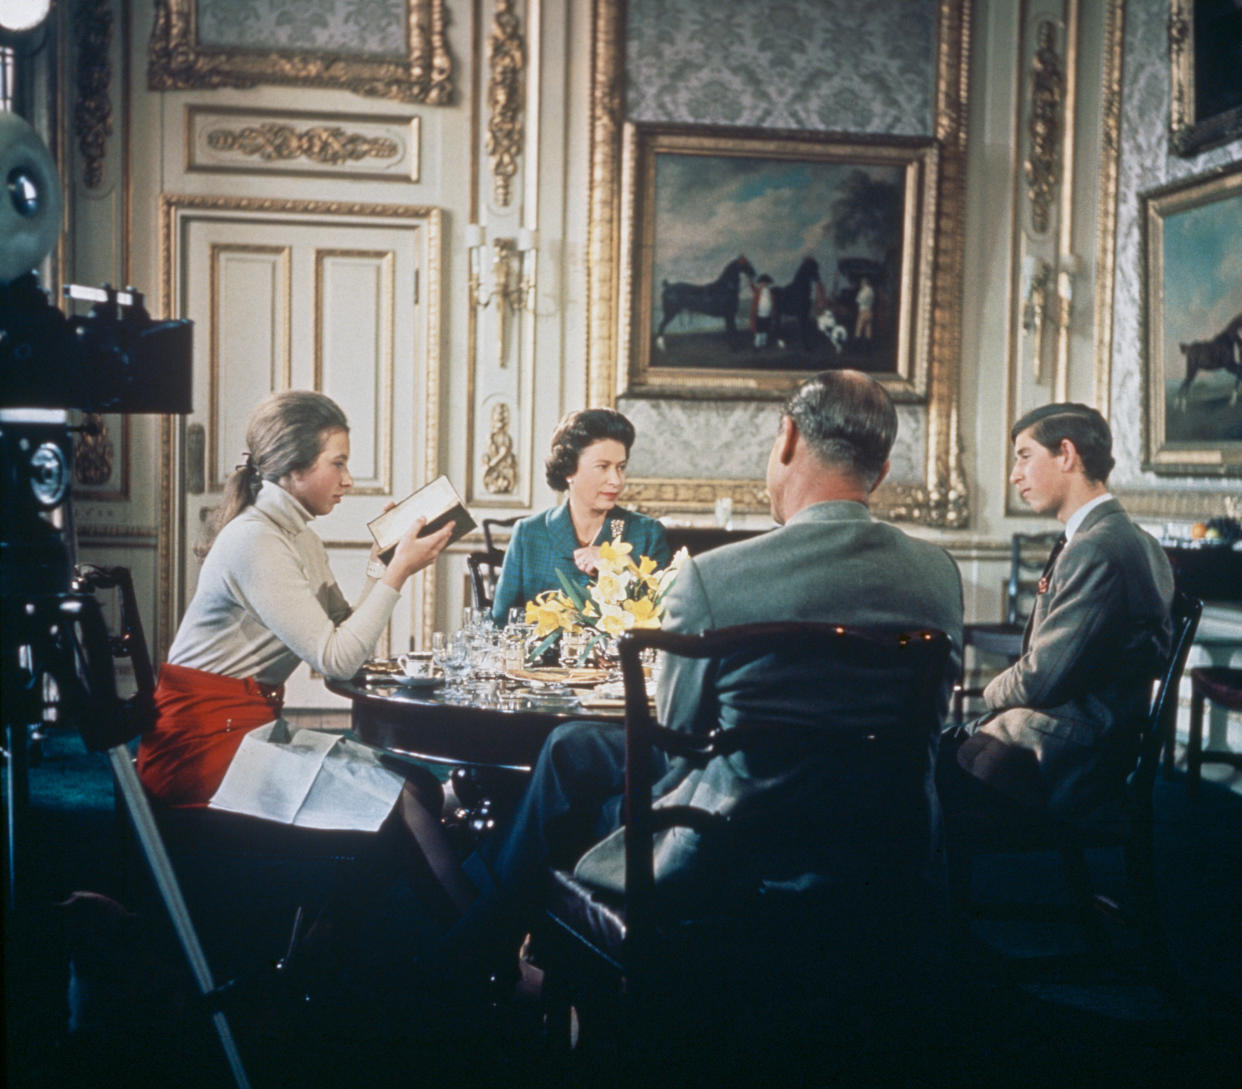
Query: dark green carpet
point(998, 1034)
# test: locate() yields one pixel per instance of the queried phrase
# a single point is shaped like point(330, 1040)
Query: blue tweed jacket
point(545, 542)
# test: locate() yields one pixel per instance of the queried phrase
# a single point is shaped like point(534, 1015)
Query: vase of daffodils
point(624, 595)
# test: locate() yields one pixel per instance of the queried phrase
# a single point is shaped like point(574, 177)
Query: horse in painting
point(718, 299)
point(793, 300)
point(1222, 352)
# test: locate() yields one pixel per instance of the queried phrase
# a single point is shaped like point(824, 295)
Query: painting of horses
point(759, 256)
point(1193, 312)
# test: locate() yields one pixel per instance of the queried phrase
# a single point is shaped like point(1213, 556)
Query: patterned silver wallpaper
point(373, 28)
point(1145, 162)
point(731, 440)
point(799, 64)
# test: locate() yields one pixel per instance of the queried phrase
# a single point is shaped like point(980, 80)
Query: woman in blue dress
point(590, 449)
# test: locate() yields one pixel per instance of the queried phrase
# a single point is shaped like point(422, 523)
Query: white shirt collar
point(1075, 520)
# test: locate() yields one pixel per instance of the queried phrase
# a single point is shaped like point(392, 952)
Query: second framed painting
point(751, 258)
point(1192, 314)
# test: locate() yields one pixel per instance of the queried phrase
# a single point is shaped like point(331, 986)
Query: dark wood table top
point(420, 723)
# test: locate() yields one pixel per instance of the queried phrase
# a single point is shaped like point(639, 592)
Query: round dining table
point(497, 731)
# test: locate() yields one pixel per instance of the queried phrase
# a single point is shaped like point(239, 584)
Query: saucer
point(407, 681)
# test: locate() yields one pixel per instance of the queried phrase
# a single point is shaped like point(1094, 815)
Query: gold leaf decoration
point(326, 144)
point(92, 112)
point(506, 60)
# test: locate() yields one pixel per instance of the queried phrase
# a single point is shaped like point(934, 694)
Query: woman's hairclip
point(248, 466)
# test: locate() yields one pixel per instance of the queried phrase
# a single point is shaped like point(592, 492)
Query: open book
point(438, 502)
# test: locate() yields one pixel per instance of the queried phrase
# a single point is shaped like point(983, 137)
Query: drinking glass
point(573, 648)
point(439, 649)
point(456, 664)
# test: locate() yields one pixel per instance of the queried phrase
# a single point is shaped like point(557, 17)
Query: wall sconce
point(1036, 282)
point(512, 276)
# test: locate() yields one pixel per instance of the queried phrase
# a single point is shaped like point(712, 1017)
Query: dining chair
point(490, 525)
point(645, 971)
point(1134, 835)
point(1028, 552)
point(1220, 685)
point(484, 568)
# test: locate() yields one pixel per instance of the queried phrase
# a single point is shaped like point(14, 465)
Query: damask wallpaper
point(372, 28)
point(1146, 161)
point(797, 64)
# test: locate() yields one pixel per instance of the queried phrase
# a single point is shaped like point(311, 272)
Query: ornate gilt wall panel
point(207, 43)
point(244, 141)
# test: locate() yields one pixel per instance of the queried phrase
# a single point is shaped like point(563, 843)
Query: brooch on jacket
point(1041, 587)
point(616, 525)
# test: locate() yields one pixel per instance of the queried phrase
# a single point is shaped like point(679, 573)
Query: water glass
point(574, 647)
point(456, 663)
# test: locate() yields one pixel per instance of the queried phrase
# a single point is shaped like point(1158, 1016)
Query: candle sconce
point(1036, 283)
point(512, 277)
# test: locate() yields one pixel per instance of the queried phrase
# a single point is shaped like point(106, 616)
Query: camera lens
point(24, 193)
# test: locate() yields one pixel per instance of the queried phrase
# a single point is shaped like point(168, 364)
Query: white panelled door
point(288, 298)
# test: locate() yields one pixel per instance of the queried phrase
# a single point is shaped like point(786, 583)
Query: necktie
point(1042, 587)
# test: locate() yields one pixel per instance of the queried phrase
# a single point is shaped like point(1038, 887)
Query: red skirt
point(201, 719)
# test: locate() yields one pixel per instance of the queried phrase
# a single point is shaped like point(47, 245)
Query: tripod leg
point(16, 806)
point(170, 890)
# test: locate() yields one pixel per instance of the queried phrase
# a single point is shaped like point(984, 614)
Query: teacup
point(415, 665)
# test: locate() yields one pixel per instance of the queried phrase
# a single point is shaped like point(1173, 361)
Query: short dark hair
point(848, 420)
point(575, 433)
point(1079, 423)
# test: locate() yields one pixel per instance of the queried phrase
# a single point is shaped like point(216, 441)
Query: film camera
point(57, 658)
point(115, 359)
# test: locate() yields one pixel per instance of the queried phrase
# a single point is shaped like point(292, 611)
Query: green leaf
point(571, 590)
point(546, 642)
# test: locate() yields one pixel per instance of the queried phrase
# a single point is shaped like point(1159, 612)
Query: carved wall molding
point(92, 109)
point(94, 534)
point(177, 61)
point(236, 139)
point(93, 453)
point(1044, 125)
point(499, 461)
point(1106, 225)
point(506, 59)
point(273, 141)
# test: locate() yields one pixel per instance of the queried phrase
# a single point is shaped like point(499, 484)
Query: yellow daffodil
point(625, 594)
point(609, 589)
point(614, 620)
point(548, 612)
point(614, 556)
point(644, 611)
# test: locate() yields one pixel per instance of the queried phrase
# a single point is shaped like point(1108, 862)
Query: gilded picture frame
point(938, 494)
point(836, 276)
point(1205, 61)
point(1192, 324)
point(245, 51)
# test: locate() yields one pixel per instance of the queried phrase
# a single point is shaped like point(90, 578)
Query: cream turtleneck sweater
point(267, 600)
